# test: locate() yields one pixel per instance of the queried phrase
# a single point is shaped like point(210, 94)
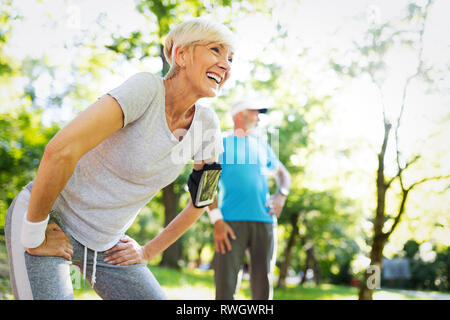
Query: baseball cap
point(251, 104)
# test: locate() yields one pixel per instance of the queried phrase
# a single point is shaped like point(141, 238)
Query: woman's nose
point(224, 63)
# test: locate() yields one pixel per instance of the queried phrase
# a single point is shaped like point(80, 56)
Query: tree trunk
point(305, 269)
point(379, 238)
point(311, 262)
point(172, 254)
point(376, 259)
point(316, 269)
point(166, 65)
point(199, 255)
point(288, 254)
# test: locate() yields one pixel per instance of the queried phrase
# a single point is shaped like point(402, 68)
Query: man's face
point(251, 118)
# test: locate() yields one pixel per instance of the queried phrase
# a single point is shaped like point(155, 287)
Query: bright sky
point(316, 24)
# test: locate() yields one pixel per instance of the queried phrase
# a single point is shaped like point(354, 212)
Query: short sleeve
point(222, 154)
point(272, 159)
point(212, 144)
point(135, 95)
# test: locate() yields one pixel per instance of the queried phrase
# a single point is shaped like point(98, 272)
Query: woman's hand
point(56, 244)
point(221, 232)
point(126, 253)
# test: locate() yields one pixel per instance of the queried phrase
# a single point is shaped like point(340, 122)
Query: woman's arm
point(176, 228)
point(131, 253)
point(86, 131)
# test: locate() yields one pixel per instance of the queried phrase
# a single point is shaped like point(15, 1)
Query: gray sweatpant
point(48, 278)
point(259, 239)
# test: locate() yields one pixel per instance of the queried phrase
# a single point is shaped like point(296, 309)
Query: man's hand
point(221, 232)
point(276, 204)
point(126, 253)
point(56, 244)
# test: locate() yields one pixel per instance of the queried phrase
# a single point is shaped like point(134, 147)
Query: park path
point(423, 294)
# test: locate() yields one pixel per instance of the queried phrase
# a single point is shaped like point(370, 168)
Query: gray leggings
point(48, 278)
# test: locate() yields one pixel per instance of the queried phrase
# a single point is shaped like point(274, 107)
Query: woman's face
point(209, 69)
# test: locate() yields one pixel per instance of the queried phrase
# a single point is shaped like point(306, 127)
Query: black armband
point(202, 184)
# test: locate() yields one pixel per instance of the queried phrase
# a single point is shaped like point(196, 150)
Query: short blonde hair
point(192, 32)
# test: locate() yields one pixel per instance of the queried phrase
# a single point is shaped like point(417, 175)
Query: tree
point(371, 55)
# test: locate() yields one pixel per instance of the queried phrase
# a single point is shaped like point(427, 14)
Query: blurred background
point(360, 91)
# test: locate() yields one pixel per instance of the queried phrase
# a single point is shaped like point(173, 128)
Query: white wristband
point(33, 233)
point(215, 215)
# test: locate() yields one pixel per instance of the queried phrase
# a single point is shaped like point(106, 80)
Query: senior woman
point(107, 163)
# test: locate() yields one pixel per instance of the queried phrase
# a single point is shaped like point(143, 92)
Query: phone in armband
point(207, 187)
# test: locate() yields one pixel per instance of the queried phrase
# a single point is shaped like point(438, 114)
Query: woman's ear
point(180, 56)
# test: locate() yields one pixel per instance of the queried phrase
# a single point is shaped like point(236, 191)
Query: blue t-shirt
point(243, 185)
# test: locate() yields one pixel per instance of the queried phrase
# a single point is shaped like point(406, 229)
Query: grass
point(193, 284)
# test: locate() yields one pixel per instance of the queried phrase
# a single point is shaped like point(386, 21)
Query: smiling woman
point(107, 163)
point(196, 32)
point(203, 69)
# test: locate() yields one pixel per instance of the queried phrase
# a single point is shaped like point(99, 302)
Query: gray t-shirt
point(113, 181)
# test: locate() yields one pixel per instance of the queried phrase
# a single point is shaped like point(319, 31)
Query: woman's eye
point(230, 60)
point(215, 49)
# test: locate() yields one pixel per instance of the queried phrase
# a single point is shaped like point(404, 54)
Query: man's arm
point(283, 180)
point(278, 200)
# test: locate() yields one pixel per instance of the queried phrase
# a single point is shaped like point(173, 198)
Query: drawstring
point(93, 269)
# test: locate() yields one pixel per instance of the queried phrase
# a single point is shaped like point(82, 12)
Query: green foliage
point(325, 223)
point(133, 46)
point(23, 140)
point(5, 287)
point(7, 15)
point(426, 274)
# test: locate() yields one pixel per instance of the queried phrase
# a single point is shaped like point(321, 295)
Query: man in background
point(246, 218)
